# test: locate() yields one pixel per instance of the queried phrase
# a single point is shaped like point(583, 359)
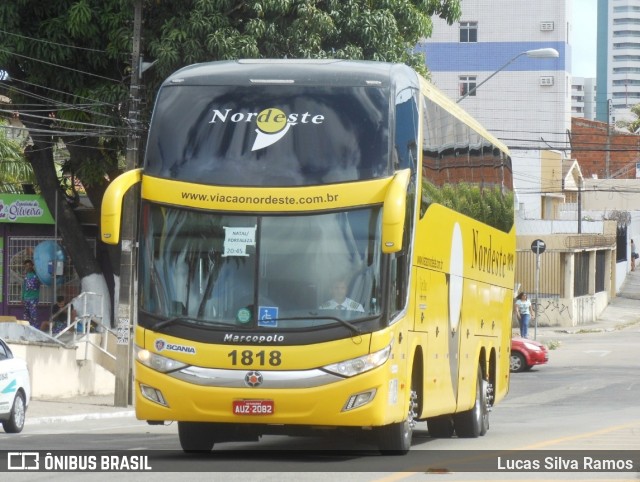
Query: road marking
point(599, 353)
point(632, 425)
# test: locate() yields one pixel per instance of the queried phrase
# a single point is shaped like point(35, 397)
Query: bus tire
point(440, 427)
point(196, 437)
point(474, 422)
point(395, 438)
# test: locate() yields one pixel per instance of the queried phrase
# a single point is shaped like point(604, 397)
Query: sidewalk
point(623, 311)
point(74, 409)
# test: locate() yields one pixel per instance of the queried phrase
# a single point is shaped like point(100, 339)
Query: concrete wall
point(59, 371)
point(571, 312)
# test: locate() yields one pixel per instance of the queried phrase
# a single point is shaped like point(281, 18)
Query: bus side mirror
point(394, 211)
point(111, 212)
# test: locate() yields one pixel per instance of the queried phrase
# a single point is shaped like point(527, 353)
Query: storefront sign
point(24, 209)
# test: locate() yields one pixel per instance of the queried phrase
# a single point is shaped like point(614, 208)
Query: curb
point(78, 417)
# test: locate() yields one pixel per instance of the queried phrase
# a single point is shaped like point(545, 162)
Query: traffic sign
point(538, 246)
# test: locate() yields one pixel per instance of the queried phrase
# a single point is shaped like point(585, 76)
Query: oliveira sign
point(24, 209)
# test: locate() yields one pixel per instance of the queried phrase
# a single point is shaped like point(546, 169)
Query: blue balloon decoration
point(47, 256)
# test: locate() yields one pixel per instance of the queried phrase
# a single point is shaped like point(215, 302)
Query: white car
point(15, 390)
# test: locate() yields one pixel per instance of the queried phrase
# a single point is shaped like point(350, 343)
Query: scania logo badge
point(253, 379)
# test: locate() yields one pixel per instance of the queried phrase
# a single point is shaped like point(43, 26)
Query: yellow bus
point(323, 245)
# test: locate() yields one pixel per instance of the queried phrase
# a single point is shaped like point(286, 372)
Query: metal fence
point(551, 273)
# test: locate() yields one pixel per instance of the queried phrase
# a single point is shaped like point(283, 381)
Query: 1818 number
point(249, 358)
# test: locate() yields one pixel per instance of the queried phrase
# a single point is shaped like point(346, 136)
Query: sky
point(583, 38)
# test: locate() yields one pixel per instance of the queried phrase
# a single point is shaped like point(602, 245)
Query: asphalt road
point(583, 402)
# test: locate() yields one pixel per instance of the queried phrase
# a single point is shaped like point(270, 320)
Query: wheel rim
point(18, 411)
point(485, 406)
point(516, 363)
point(410, 422)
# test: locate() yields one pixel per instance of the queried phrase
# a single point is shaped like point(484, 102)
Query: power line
point(60, 66)
point(64, 121)
point(66, 106)
point(95, 101)
point(63, 133)
point(48, 42)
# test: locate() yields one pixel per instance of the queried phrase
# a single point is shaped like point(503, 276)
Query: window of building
point(626, 8)
point(626, 45)
point(22, 248)
point(626, 33)
point(468, 84)
point(601, 270)
point(624, 58)
point(581, 274)
point(626, 82)
point(626, 21)
point(468, 32)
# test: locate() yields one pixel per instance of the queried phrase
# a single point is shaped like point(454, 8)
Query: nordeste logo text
point(272, 123)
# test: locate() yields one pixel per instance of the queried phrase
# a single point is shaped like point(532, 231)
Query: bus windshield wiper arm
point(315, 316)
point(346, 323)
point(168, 321)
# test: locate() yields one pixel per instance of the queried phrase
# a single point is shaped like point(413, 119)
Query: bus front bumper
point(313, 398)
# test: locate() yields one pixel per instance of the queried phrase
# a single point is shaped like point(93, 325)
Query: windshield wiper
point(351, 326)
point(316, 316)
point(170, 321)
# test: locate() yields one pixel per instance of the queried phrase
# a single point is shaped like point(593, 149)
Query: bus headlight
point(356, 366)
point(157, 362)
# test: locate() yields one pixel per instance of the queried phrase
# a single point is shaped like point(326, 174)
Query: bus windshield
point(221, 270)
point(269, 135)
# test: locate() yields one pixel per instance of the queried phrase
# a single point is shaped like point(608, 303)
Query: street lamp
point(546, 53)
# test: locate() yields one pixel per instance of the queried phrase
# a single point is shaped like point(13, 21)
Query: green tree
point(14, 168)
point(69, 63)
point(634, 125)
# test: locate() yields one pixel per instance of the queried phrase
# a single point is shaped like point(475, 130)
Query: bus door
point(474, 327)
point(431, 324)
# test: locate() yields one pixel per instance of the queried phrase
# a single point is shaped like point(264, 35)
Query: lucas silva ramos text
point(565, 464)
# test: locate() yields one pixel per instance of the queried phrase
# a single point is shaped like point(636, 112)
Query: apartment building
point(618, 62)
point(583, 97)
point(494, 61)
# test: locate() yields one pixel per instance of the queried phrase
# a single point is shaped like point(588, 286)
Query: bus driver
point(339, 301)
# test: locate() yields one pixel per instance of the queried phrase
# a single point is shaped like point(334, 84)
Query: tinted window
point(221, 270)
point(269, 135)
point(464, 171)
point(4, 351)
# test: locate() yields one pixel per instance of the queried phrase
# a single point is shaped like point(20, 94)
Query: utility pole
point(128, 281)
point(607, 159)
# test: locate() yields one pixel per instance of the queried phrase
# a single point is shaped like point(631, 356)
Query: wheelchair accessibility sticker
point(268, 316)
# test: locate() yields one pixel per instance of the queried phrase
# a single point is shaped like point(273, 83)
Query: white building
point(618, 62)
point(489, 62)
point(583, 97)
point(526, 101)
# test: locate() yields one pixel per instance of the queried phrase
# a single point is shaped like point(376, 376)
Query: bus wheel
point(195, 437)
point(395, 439)
point(440, 427)
point(475, 422)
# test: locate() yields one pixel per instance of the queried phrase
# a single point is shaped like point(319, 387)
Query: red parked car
point(526, 353)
